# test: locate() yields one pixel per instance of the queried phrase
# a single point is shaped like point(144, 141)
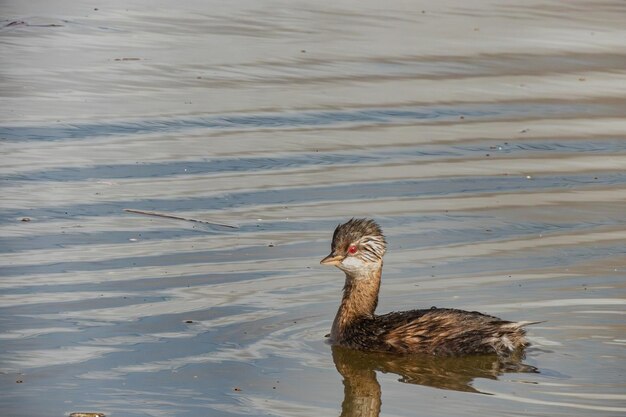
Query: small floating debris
point(529, 177)
point(23, 23)
point(237, 389)
point(171, 216)
point(25, 219)
point(188, 321)
point(87, 415)
point(16, 23)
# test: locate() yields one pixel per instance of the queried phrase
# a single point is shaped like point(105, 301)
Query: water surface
point(488, 138)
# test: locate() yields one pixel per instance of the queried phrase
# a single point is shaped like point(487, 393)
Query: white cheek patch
point(352, 262)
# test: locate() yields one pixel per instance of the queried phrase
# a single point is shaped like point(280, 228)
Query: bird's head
point(358, 246)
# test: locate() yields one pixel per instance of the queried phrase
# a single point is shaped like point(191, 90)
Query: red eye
point(352, 250)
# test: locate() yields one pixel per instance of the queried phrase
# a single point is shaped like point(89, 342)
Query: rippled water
point(487, 137)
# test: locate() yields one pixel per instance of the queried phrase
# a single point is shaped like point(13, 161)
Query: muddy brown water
point(488, 138)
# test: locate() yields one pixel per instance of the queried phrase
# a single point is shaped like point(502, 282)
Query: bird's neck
point(360, 298)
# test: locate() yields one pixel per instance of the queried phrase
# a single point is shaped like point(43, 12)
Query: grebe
point(357, 249)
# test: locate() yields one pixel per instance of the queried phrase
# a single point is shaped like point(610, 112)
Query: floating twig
point(171, 216)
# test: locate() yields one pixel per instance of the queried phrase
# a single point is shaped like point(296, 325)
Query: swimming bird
point(357, 248)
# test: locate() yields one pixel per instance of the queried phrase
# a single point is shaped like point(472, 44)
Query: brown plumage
point(357, 248)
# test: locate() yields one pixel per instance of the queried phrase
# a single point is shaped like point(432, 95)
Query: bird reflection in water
point(362, 393)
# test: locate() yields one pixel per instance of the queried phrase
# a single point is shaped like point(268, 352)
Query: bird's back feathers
point(437, 331)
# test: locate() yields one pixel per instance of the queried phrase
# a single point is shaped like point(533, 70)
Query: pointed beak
point(331, 259)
